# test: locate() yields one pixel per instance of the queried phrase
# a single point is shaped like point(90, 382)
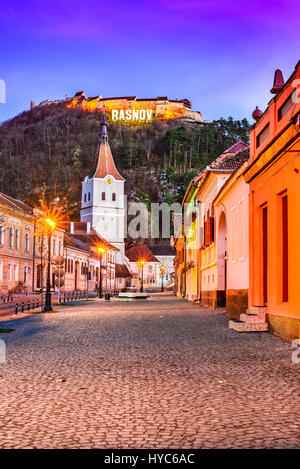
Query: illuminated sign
point(132, 115)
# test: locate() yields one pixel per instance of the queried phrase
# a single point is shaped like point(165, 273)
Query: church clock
point(109, 179)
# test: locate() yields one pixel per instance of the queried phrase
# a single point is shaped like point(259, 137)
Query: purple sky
point(220, 55)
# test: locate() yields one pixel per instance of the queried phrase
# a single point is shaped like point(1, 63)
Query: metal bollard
point(28, 306)
point(22, 307)
point(16, 310)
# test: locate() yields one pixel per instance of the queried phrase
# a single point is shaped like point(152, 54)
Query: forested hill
point(55, 146)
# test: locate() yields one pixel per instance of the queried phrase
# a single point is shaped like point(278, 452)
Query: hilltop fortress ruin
point(130, 109)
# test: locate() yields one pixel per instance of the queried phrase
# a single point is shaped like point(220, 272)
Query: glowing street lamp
point(141, 263)
point(162, 269)
point(101, 250)
point(50, 224)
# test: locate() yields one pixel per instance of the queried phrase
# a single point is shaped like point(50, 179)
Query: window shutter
point(211, 229)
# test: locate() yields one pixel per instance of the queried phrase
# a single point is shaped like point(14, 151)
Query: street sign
point(59, 273)
point(59, 260)
point(59, 282)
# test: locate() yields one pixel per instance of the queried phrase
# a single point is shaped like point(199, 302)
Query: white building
point(165, 255)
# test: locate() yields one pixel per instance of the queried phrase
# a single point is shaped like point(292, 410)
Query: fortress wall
point(162, 109)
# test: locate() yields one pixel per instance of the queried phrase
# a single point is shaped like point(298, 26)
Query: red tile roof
point(140, 252)
point(234, 161)
point(122, 271)
point(227, 154)
point(130, 98)
point(236, 147)
point(105, 163)
point(15, 204)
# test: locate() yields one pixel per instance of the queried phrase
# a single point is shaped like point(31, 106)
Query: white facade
point(102, 205)
point(168, 262)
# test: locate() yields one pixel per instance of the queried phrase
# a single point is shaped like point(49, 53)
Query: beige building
point(17, 223)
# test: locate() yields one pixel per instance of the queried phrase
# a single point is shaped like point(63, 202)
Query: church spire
point(104, 163)
point(103, 135)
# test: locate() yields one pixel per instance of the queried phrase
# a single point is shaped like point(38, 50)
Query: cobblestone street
point(157, 374)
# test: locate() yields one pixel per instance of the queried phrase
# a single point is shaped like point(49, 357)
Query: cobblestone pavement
point(157, 374)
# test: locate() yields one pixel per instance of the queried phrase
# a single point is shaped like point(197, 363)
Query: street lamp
point(162, 268)
point(51, 226)
point(101, 251)
point(141, 263)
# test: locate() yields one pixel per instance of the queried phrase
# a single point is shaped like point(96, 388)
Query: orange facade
point(273, 175)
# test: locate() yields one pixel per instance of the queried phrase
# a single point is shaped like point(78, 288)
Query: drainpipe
point(184, 266)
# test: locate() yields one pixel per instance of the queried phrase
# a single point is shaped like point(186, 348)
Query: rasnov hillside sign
point(131, 115)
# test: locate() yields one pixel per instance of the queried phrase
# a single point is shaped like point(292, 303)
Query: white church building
point(102, 203)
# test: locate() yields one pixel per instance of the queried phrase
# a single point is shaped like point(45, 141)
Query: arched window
point(103, 195)
point(113, 196)
point(11, 237)
point(85, 197)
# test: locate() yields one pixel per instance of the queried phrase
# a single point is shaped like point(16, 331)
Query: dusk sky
point(220, 55)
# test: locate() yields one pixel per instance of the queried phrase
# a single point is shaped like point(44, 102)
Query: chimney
point(32, 104)
point(72, 227)
point(88, 227)
point(278, 82)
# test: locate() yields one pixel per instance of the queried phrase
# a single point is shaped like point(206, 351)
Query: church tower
point(102, 202)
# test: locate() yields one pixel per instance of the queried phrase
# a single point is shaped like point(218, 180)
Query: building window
point(85, 197)
point(262, 136)
point(54, 247)
point(284, 109)
point(89, 196)
point(15, 273)
point(25, 274)
point(17, 238)
point(113, 196)
point(1, 235)
point(103, 195)
point(285, 264)
point(11, 237)
point(9, 273)
point(27, 242)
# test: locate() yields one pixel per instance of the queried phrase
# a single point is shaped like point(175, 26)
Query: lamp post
point(51, 226)
point(141, 263)
point(162, 269)
point(101, 252)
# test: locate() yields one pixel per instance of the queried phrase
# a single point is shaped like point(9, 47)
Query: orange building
point(273, 176)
